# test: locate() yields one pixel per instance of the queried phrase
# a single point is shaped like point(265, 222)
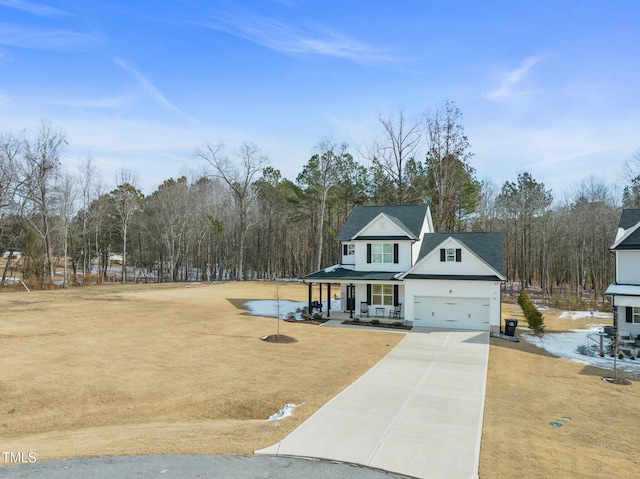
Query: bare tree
point(41, 161)
point(453, 187)
point(66, 193)
point(399, 144)
point(631, 176)
point(239, 180)
point(126, 200)
point(89, 184)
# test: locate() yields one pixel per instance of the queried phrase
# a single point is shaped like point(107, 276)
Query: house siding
point(628, 267)
point(404, 257)
point(469, 264)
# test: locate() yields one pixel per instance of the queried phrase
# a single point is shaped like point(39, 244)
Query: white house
point(625, 292)
point(392, 259)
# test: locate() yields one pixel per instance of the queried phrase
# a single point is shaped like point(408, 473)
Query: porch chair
point(395, 312)
point(364, 308)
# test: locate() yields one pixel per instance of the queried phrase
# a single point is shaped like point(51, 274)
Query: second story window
point(348, 250)
point(382, 253)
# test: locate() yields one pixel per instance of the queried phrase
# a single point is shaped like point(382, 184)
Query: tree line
point(244, 220)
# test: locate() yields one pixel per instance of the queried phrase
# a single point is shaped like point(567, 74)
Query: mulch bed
point(379, 325)
point(282, 339)
point(619, 381)
point(307, 321)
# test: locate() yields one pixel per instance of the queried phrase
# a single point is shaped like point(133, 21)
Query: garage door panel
point(452, 313)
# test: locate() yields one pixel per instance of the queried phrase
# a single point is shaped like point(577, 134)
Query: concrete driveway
point(418, 412)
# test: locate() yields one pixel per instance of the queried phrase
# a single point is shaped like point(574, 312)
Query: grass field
point(160, 369)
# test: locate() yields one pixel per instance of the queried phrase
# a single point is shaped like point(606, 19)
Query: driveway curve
point(189, 467)
point(418, 412)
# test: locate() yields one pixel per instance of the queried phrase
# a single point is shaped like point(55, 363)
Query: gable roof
point(630, 217)
point(489, 247)
point(410, 218)
point(628, 230)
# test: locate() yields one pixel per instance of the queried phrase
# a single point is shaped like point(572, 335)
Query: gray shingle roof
point(630, 217)
point(408, 217)
point(349, 274)
point(488, 246)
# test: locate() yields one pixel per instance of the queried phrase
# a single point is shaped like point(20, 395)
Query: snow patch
point(565, 345)
point(269, 307)
point(286, 411)
point(586, 314)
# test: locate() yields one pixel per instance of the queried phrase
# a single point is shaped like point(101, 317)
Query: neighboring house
point(625, 292)
point(391, 256)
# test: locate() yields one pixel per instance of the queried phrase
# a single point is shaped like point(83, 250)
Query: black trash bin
point(510, 327)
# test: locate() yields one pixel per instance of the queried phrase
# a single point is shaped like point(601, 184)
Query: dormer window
point(451, 255)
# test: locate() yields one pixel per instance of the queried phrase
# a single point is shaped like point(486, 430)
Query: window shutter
point(443, 254)
point(369, 254)
point(395, 294)
point(629, 315)
point(395, 253)
point(344, 250)
point(368, 294)
point(458, 255)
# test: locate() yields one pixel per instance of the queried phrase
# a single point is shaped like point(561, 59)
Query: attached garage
point(452, 312)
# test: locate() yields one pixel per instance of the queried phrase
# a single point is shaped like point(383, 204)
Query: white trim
point(628, 232)
point(462, 246)
point(392, 219)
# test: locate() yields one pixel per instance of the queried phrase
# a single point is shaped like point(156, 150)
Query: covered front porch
point(362, 296)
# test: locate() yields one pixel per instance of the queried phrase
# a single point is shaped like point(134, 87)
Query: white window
point(451, 254)
point(351, 249)
point(382, 294)
point(636, 315)
point(382, 253)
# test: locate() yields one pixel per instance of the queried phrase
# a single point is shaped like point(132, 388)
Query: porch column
point(328, 300)
point(310, 292)
point(320, 297)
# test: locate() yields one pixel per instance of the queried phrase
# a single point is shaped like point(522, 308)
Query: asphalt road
point(190, 467)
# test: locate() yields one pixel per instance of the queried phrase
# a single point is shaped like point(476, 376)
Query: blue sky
point(545, 87)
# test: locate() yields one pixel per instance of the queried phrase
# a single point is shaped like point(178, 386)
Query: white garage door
point(452, 313)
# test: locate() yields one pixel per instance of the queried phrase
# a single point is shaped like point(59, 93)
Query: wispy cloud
point(151, 90)
point(285, 38)
point(104, 103)
point(512, 80)
point(43, 39)
point(35, 8)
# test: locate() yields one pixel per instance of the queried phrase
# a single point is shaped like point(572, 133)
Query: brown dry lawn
point(527, 389)
point(164, 369)
point(161, 369)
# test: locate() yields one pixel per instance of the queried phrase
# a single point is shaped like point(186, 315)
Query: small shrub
point(534, 318)
point(586, 350)
point(375, 321)
point(317, 316)
point(356, 320)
